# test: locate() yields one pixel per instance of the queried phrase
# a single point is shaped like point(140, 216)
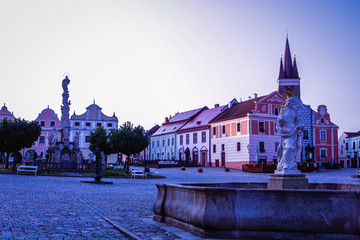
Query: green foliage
point(128, 139)
point(18, 134)
point(100, 139)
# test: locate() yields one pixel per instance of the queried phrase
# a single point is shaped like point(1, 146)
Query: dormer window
point(322, 120)
point(198, 122)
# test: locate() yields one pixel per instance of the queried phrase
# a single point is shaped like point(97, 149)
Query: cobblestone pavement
point(38, 207)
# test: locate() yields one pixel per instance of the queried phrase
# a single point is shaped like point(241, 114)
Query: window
point(276, 146)
point(158, 156)
point(322, 120)
point(194, 138)
point(322, 135)
point(52, 123)
point(42, 123)
point(238, 127)
point(163, 143)
point(223, 129)
point(168, 141)
point(98, 125)
point(261, 127)
point(214, 130)
point(305, 134)
point(347, 146)
point(187, 138)
point(87, 139)
point(153, 144)
point(181, 139)
point(158, 143)
point(172, 141)
point(222, 147)
point(42, 139)
point(238, 146)
point(214, 148)
point(109, 125)
point(342, 151)
point(276, 111)
point(323, 153)
point(203, 137)
point(353, 145)
point(262, 147)
point(77, 124)
point(88, 124)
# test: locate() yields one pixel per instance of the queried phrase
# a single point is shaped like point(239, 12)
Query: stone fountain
point(286, 207)
point(65, 153)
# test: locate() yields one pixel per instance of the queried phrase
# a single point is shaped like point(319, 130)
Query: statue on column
point(65, 112)
point(290, 127)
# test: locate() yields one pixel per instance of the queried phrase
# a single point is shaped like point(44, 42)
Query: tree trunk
point(14, 162)
point(7, 160)
point(127, 164)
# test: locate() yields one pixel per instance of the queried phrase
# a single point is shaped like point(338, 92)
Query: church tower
point(289, 80)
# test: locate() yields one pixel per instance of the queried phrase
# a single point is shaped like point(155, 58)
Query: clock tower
point(289, 80)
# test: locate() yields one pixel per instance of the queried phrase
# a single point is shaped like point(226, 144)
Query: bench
point(140, 173)
point(23, 168)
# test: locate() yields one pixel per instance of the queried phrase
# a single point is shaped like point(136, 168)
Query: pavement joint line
point(121, 229)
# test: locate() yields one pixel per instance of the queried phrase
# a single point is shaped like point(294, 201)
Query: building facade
point(343, 159)
point(326, 137)
point(82, 126)
point(352, 147)
point(163, 141)
point(246, 132)
point(49, 122)
point(193, 139)
point(5, 113)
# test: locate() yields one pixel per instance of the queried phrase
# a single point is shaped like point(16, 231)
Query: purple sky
point(145, 60)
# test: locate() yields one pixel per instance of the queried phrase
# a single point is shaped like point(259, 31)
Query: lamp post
point(97, 166)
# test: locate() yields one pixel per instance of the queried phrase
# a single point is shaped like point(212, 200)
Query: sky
point(145, 60)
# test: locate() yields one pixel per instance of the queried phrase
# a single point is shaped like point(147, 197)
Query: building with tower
point(5, 113)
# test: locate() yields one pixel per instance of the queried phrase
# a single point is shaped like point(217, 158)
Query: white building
point(86, 123)
point(352, 147)
point(343, 160)
point(193, 139)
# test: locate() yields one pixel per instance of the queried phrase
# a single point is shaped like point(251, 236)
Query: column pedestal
point(288, 179)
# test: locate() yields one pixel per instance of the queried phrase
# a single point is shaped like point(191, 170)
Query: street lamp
point(97, 166)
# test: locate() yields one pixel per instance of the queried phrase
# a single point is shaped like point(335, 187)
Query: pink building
point(48, 120)
point(246, 132)
point(326, 137)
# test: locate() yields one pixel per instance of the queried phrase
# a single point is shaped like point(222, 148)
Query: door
point(223, 159)
point(203, 159)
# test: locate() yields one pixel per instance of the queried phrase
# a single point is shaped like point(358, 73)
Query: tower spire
point(295, 70)
point(281, 71)
point(287, 60)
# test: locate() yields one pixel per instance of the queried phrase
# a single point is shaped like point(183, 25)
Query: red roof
point(237, 110)
point(204, 118)
point(350, 134)
point(185, 115)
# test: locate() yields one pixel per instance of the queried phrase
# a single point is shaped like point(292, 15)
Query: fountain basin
point(249, 210)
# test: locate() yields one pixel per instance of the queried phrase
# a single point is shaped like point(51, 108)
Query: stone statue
point(65, 112)
point(76, 139)
point(290, 127)
point(53, 138)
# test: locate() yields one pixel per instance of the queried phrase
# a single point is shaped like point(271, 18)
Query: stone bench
point(23, 168)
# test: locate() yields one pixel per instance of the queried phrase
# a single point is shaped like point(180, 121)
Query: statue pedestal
point(288, 179)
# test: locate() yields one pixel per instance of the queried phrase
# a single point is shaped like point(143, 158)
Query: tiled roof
point(185, 115)
point(93, 112)
point(237, 110)
point(169, 128)
point(204, 118)
point(152, 130)
point(352, 134)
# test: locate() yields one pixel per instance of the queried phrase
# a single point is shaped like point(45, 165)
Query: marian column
point(65, 113)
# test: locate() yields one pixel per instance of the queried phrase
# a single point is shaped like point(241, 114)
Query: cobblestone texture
point(37, 207)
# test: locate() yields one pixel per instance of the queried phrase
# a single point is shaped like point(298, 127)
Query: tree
point(16, 135)
point(100, 139)
point(128, 140)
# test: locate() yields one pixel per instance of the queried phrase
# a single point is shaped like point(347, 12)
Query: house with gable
point(352, 142)
point(163, 141)
point(5, 113)
point(193, 139)
point(343, 146)
point(246, 132)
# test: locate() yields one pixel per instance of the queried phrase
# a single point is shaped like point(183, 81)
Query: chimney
point(249, 97)
point(240, 99)
point(216, 105)
point(166, 120)
point(255, 95)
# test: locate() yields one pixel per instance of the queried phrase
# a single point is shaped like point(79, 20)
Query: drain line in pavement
point(121, 229)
